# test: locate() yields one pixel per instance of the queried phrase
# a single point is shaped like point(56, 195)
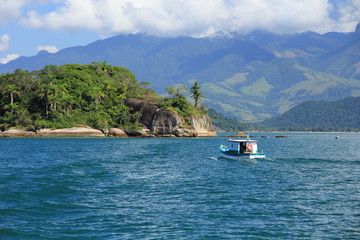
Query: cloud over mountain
point(187, 17)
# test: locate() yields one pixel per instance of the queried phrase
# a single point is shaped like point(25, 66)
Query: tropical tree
point(98, 95)
point(13, 90)
point(43, 92)
point(195, 93)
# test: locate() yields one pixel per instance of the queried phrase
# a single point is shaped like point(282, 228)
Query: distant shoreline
point(87, 132)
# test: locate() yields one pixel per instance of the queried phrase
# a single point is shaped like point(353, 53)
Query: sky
point(29, 26)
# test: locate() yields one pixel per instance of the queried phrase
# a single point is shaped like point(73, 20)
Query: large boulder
point(139, 133)
point(147, 109)
point(158, 120)
point(15, 132)
point(71, 132)
point(203, 126)
point(165, 122)
point(117, 132)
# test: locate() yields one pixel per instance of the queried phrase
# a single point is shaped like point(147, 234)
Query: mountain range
point(252, 77)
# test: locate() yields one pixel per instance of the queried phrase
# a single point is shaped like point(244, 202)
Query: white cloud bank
point(186, 17)
point(9, 58)
point(50, 49)
point(11, 10)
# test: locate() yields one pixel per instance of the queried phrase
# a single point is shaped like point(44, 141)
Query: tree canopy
point(226, 123)
point(341, 115)
point(70, 95)
point(195, 93)
point(74, 95)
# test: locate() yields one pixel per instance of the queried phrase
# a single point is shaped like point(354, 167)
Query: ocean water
point(308, 187)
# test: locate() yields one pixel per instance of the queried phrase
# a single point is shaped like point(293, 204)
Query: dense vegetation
point(342, 115)
point(74, 94)
point(227, 124)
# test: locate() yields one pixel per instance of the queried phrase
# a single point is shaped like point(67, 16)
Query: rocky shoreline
point(155, 121)
point(94, 133)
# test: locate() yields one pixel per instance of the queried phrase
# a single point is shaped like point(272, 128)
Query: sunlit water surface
point(308, 187)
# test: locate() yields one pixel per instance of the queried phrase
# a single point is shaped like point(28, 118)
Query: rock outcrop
point(203, 126)
point(14, 132)
point(64, 132)
point(71, 132)
point(117, 132)
point(165, 122)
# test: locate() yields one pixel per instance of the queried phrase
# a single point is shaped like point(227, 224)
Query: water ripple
point(177, 189)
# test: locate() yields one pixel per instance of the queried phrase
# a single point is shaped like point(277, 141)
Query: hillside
point(226, 123)
point(320, 115)
point(252, 77)
point(97, 95)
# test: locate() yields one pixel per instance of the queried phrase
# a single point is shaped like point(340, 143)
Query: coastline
point(88, 132)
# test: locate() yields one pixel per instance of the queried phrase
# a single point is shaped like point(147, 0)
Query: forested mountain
point(226, 123)
point(252, 77)
point(320, 116)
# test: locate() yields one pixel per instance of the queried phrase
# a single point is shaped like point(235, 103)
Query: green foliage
point(228, 124)
point(342, 115)
point(179, 103)
point(70, 95)
point(195, 93)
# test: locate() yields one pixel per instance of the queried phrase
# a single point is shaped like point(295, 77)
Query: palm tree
point(195, 93)
point(44, 92)
point(98, 95)
point(68, 102)
point(56, 95)
point(13, 90)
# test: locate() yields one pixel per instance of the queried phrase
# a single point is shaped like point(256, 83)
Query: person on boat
point(242, 148)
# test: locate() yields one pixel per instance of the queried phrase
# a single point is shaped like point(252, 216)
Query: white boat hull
point(244, 156)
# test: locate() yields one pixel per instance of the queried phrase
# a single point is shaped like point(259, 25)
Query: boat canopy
point(243, 145)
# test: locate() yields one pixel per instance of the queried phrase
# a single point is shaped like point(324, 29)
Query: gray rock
point(165, 122)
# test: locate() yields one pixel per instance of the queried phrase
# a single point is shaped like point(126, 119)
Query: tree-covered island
point(97, 95)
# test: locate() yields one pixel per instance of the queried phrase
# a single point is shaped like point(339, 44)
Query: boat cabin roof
point(243, 140)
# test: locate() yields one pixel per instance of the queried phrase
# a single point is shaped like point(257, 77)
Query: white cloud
point(10, 10)
point(50, 49)
point(194, 17)
point(9, 58)
point(4, 42)
point(350, 15)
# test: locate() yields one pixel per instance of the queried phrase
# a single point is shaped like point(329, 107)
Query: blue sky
point(28, 26)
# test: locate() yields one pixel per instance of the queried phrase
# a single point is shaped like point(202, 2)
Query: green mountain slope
point(343, 61)
point(253, 77)
point(255, 96)
point(320, 115)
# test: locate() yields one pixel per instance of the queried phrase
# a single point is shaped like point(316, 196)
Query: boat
point(241, 149)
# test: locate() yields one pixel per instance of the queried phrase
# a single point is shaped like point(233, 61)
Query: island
point(96, 100)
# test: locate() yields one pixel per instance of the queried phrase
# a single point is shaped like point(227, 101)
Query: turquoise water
point(307, 188)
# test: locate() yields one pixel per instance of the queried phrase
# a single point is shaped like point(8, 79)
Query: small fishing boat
point(241, 149)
